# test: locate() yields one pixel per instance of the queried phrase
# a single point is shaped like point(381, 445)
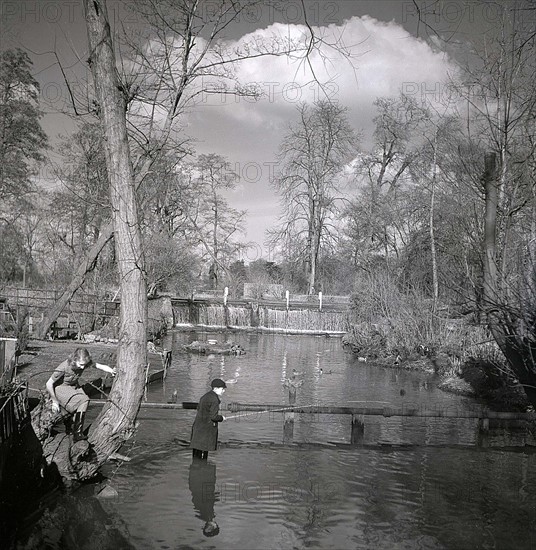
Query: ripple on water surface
point(333, 498)
point(416, 483)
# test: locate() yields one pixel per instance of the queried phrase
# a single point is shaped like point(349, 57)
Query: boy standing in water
point(205, 426)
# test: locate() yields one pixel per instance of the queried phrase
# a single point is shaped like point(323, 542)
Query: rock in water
point(107, 492)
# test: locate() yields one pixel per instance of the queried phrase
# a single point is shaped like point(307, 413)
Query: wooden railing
point(358, 415)
point(13, 410)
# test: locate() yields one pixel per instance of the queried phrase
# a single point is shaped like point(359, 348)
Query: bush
point(393, 321)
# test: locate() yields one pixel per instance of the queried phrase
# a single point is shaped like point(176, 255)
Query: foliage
point(82, 204)
point(264, 270)
point(389, 318)
point(12, 247)
point(22, 141)
point(381, 215)
point(236, 277)
point(21, 136)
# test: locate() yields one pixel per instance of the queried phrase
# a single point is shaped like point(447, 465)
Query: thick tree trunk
point(518, 349)
point(312, 269)
point(117, 419)
point(314, 247)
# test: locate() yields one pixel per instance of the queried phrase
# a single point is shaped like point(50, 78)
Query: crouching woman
point(66, 393)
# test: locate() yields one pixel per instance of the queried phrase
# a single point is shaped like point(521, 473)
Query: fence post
point(225, 308)
point(166, 360)
point(320, 301)
point(483, 432)
point(288, 418)
point(358, 429)
point(292, 395)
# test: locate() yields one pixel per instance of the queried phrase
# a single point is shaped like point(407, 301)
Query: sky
point(392, 51)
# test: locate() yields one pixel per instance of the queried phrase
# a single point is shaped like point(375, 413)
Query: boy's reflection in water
point(202, 483)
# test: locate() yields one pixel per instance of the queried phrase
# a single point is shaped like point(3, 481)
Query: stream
point(414, 483)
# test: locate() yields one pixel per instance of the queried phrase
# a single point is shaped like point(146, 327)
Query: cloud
point(355, 62)
point(375, 59)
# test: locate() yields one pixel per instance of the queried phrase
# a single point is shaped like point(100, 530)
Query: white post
point(320, 300)
point(225, 294)
point(287, 296)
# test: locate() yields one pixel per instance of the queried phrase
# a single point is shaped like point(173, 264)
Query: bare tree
point(214, 223)
point(502, 106)
point(117, 419)
point(169, 64)
point(313, 155)
point(129, 162)
point(510, 313)
point(377, 216)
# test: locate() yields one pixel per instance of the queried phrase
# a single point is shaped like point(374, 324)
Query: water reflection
point(414, 483)
point(202, 484)
point(74, 522)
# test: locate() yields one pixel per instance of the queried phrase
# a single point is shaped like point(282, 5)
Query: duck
point(174, 396)
point(292, 383)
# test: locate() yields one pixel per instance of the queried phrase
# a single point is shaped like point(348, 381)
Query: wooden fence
point(13, 411)
point(36, 301)
point(13, 396)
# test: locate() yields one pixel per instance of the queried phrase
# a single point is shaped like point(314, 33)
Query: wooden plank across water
point(362, 411)
point(149, 405)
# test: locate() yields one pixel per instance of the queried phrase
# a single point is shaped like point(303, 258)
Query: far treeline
point(434, 221)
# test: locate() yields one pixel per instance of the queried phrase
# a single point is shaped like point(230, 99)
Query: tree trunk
point(518, 350)
point(117, 420)
point(313, 257)
point(435, 278)
point(490, 231)
point(84, 268)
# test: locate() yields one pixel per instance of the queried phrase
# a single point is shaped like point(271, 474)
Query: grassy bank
point(468, 361)
point(407, 330)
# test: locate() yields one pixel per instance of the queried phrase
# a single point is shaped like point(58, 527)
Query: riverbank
point(474, 378)
point(471, 379)
point(38, 361)
point(463, 355)
point(41, 357)
point(412, 465)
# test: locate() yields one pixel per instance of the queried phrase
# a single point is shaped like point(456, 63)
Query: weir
point(271, 316)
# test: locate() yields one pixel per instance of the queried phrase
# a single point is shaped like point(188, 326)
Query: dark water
point(416, 483)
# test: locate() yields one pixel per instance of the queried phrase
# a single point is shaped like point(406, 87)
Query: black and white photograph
point(267, 274)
